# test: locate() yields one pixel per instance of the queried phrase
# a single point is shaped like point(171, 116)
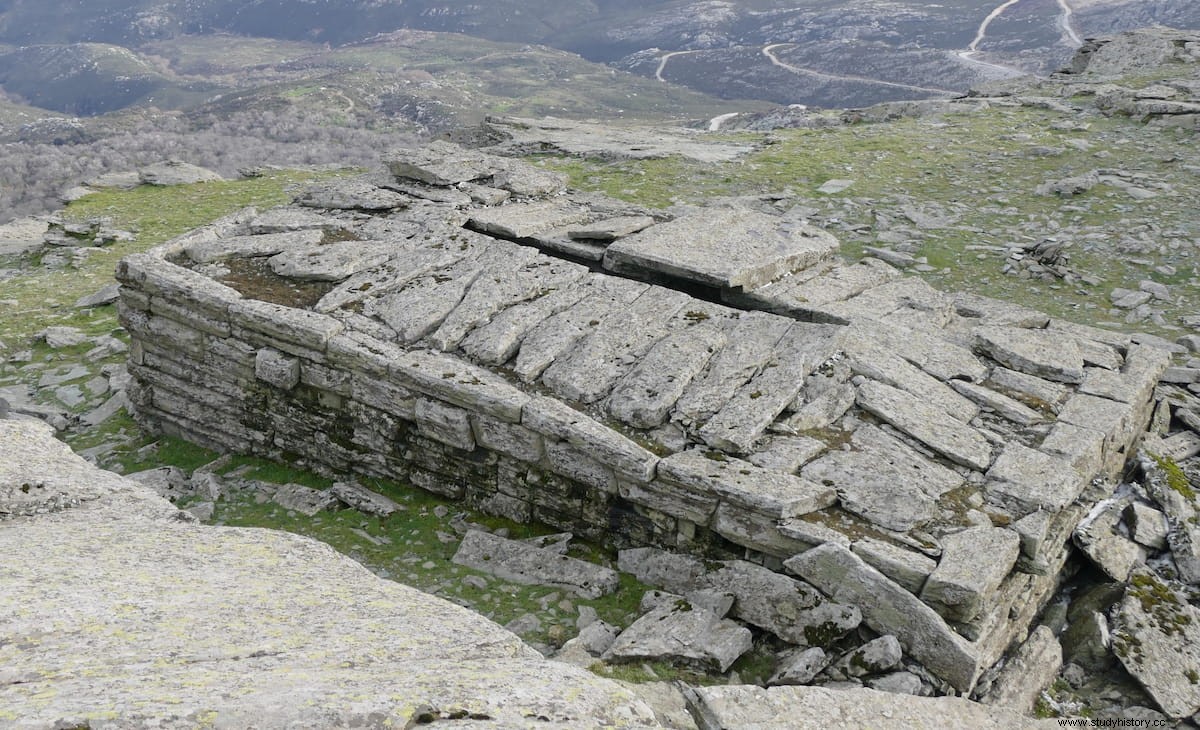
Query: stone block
point(277, 369)
point(506, 438)
point(679, 632)
point(974, 563)
point(524, 563)
point(773, 495)
point(573, 463)
point(907, 568)
point(558, 420)
point(445, 423)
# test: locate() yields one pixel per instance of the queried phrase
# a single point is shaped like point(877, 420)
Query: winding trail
point(769, 52)
point(662, 63)
point(980, 33)
point(1064, 22)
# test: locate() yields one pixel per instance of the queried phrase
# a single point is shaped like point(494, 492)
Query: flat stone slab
point(678, 631)
point(439, 163)
point(268, 244)
point(726, 248)
point(883, 480)
point(645, 396)
point(1156, 637)
point(778, 495)
point(944, 434)
point(364, 500)
point(890, 609)
point(1033, 351)
point(610, 229)
point(1024, 480)
point(351, 194)
point(973, 564)
point(524, 563)
point(331, 262)
point(526, 220)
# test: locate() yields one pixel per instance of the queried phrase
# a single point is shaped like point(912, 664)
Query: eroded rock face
point(243, 627)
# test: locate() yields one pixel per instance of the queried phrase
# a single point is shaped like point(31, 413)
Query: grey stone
point(525, 220)
point(1147, 526)
point(175, 172)
point(610, 229)
point(678, 631)
point(645, 396)
point(822, 410)
point(1037, 389)
point(791, 609)
point(276, 368)
point(507, 438)
point(439, 163)
point(883, 480)
point(902, 682)
point(168, 482)
point(305, 500)
point(445, 423)
point(907, 568)
point(364, 500)
point(330, 262)
point(459, 383)
point(733, 706)
point(57, 338)
point(1030, 669)
point(798, 666)
point(890, 609)
point(751, 342)
point(597, 637)
point(419, 307)
point(1184, 541)
point(942, 433)
point(786, 454)
point(558, 420)
point(351, 194)
point(105, 410)
point(878, 364)
point(973, 564)
point(101, 297)
point(741, 422)
point(1035, 352)
point(557, 334)
point(776, 496)
point(672, 571)
point(874, 657)
point(1002, 405)
point(525, 180)
point(728, 248)
point(1024, 480)
point(1083, 448)
point(483, 194)
point(1156, 637)
point(557, 241)
point(589, 371)
point(1099, 539)
point(286, 220)
point(522, 563)
point(497, 341)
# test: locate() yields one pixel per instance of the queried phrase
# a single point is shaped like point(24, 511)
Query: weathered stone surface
point(883, 480)
point(1035, 352)
point(445, 423)
point(610, 229)
point(823, 409)
point(796, 295)
point(176, 172)
point(438, 163)
point(558, 420)
point(286, 220)
point(678, 631)
point(645, 396)
point(791, 609)
point(906, 567)
point(364, 500)
point(878, 364)
point(523, 563)
point(998, 403)
point(459, 383)
point(774, 495)
point(1147, 526)
point(1040, 391)
point(786, 454)
point(973, 564)
point(276, 368)
point(799, 666)
point(728, 707)
point(957, 441)
point(305, 500)
point(525, 180)
point(671, 571)
point(1157, 639)
point(890, 609)
point(497, 341)
point(1024, 480)
point(589, 371)
point(525, 220)
point(1027, 672)
point(874, 657)
point(750, 344)
point(1098, 537)
point(740, 423)
point(261, 625)
point(728, 248)
point(332, 261)
point(205, 250)
point(557, 334)
point(351, 194)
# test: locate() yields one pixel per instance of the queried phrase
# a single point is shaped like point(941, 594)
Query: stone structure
point(720, 384)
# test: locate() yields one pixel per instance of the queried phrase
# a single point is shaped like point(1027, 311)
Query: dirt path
point(769, 52)
point(662, 63)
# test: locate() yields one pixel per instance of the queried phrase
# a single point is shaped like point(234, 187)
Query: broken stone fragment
point(974, 562)
point(798, 666)
point(305, 500)
point(678, 631)
point(1156, 637)
point(610, 229)
point(364, 500)
point(1100, 539)
point(523, 563)
point(1027, 672)
point(1042, 353)
point(874, 657)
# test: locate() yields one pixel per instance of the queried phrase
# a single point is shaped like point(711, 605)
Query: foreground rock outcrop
point(117, 613)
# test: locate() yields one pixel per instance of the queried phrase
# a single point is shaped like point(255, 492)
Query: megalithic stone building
point(720, 384)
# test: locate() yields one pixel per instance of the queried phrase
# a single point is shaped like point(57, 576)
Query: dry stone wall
point(743, 394)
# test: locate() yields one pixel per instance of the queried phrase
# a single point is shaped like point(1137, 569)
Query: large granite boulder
point(115, 613)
